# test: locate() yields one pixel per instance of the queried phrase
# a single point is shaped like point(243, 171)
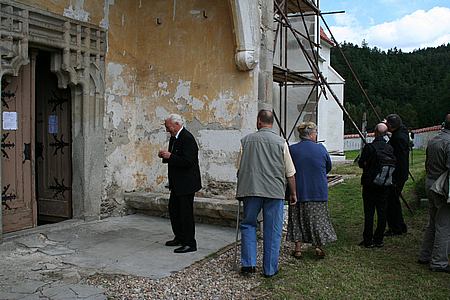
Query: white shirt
point(178, 133)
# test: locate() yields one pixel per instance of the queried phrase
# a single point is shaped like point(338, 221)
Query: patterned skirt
point(309, 222)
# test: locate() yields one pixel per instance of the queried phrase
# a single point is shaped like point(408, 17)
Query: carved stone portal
point(78, 60)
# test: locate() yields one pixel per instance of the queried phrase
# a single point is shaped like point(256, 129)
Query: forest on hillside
point(415, 85)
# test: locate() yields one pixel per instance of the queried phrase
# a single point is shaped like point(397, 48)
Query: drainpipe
point(1, 186)
point(246, 26)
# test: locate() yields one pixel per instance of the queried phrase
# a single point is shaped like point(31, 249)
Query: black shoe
point(185, 249)
point(247, 271)
point(366, 245)
point(270, 276)
point(392, 233)
point(443, 270)
point(423, 262)
point(379, 244)
point(173, 242)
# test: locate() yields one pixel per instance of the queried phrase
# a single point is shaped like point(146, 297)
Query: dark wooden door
point(53, 145)
point(17, 150)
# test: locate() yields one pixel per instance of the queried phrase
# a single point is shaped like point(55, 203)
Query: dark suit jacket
point(184, 171)
point(400, 142)
point(372, 156)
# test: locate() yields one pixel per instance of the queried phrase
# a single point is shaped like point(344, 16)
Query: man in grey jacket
point(265, 168)
point(436, 239)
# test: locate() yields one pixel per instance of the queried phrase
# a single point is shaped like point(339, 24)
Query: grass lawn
point(352, 272)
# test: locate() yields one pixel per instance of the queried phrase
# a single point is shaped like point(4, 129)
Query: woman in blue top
point(309, 220)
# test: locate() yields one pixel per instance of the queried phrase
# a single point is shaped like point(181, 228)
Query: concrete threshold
point(51, 261)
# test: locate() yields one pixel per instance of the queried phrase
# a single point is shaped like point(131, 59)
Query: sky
point(405, 24)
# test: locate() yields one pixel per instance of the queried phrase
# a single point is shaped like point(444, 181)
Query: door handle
point(26, 152)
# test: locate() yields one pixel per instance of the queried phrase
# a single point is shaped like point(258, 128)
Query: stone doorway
point(53, 149)
point(76, 58)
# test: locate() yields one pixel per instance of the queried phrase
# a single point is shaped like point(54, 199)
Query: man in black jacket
point(436, 244)
point(373, 156)
point(184, 181)
point(400, 142)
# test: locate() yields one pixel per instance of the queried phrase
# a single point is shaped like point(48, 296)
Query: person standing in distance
point(265, 168)
point(375, 196)
point(400, 142)
point(435, 245)
point(184, 181)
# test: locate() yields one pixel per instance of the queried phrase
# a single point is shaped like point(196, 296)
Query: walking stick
point(236, 266)
point(406, 204)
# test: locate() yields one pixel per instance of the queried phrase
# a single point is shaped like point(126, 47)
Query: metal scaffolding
point(296, 65)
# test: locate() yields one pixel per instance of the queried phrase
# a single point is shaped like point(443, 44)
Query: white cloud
point(417, 30)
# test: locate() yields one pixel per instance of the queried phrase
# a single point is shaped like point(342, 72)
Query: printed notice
point(53, 124)
point(10, 120)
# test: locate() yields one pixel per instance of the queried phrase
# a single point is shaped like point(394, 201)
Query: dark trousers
point(394, 214)
point(181, 211)
point(374, 198)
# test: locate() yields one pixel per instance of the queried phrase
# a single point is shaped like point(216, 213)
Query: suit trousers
point(272, 227)
point(181, 211)
point(394, 214)
point(374, 198)
point(435, 245)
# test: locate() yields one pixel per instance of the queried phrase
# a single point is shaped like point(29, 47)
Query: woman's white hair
point(176, 119)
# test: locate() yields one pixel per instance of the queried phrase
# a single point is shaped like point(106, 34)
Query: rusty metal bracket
point(5, 145)
point(59, 144)
point(7, 197)
point(57, 101)
point(59, 188)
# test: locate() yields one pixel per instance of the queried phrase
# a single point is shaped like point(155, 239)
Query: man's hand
point(292, 190)
point(164, 154)
point(292, 199)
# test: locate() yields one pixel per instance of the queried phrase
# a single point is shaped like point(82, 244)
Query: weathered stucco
point(170, 56)
point(173, 56)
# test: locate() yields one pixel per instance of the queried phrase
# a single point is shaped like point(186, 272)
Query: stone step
point(206, 210)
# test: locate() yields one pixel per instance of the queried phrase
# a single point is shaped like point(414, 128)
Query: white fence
point(420, 140)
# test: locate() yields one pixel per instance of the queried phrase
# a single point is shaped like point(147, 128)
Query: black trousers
point(181, 211)
point(374, 198)
point(394, 214)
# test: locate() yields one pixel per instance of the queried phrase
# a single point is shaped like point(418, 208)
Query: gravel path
point(212, 278)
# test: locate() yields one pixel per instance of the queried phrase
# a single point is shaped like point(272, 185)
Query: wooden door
point(53, 145)
point(17, 150)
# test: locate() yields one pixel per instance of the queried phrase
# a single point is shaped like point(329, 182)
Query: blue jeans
point(272, 224)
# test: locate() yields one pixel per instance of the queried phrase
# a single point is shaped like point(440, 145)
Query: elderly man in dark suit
point(184, 181)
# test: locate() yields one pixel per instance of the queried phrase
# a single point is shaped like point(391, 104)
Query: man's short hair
point(446, 123)
point(176, 119)
point(394, 121)
point(265, 116)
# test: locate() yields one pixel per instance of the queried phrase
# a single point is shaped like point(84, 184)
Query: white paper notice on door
point(10, 120)
point(53, 124)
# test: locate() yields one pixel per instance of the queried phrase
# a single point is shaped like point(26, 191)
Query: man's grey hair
point(176, 118)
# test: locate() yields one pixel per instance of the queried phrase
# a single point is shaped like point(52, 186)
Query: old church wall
point(167, 56)
point(178, 58)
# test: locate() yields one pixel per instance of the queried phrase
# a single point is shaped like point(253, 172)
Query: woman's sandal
point(297, 254)
point(320, 253)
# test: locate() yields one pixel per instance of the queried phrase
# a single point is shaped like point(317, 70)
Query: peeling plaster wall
point(168, 56)
point(173, 57)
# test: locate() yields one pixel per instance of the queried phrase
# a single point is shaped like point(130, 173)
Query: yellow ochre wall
point(185, 64)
